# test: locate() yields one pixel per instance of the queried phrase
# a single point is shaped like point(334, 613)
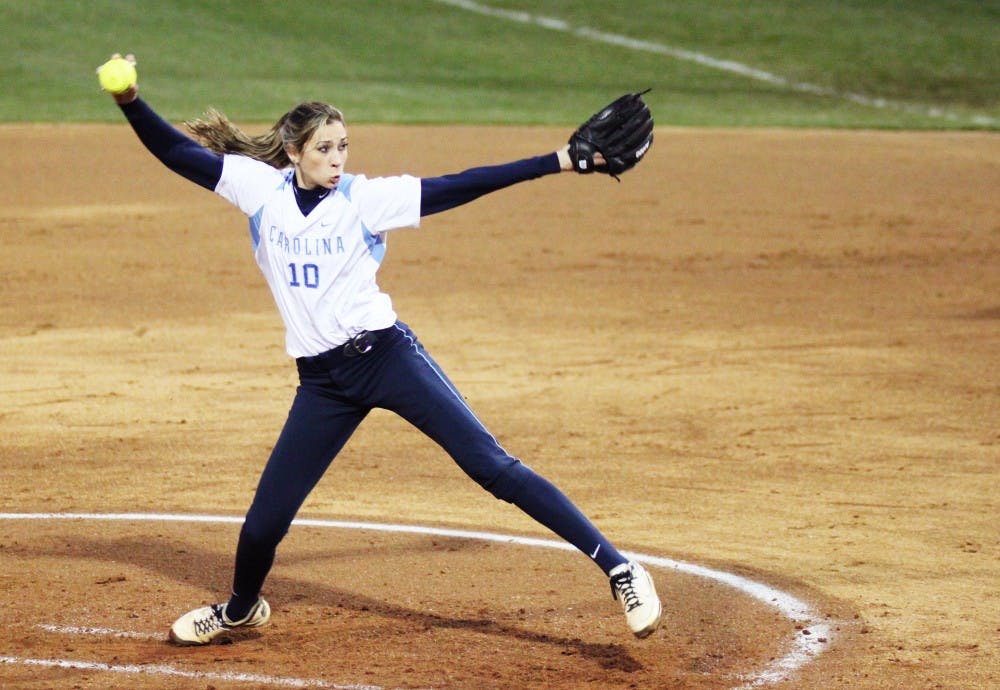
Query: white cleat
point(204, 624)
point(633, 587)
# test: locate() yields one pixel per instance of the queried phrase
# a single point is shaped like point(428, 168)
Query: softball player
point(319, 234)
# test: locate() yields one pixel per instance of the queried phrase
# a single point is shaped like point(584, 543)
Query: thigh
point(424, 396)
point(316, 430)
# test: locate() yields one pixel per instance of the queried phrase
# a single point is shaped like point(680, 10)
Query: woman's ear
point(293, 154)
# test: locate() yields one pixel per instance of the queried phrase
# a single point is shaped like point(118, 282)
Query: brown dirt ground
point(772, 353)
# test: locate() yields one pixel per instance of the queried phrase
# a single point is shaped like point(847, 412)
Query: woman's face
point(321, 162)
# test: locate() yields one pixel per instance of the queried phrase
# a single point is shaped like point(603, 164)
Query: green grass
point(936, 63)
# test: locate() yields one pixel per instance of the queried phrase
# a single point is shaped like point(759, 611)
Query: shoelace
point(622, 586)
point(211, 623)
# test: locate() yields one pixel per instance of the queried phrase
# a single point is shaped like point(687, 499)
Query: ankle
point(236, 610)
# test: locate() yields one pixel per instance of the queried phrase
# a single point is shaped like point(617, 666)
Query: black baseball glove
point(621, 132)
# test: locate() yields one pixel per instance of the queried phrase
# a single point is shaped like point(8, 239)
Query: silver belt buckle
point(360, 344)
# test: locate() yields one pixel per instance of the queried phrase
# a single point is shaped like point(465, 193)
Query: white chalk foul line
point(106, 632)
point(731, 66)
point(813, 636)
point(166, 670)
point(162, 669)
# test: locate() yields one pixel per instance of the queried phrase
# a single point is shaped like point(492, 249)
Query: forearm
point(178, 152)
point(448, 191)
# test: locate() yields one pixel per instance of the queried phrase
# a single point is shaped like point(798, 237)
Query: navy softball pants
point(386, 369)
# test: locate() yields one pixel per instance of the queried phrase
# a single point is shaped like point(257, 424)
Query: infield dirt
point(773, 353)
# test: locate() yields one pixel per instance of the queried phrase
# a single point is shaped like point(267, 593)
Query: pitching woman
point(319, 234)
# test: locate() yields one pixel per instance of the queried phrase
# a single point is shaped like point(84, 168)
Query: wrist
point(126, 97)
point(564, 160)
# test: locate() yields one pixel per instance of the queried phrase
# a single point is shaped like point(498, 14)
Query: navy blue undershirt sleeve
point(193, 161)
point(448, 191)
point(180, 153)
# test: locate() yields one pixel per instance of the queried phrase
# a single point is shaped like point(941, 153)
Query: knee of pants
point(260, 534)
point(506, 484)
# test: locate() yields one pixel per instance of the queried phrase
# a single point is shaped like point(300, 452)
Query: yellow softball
point(117, 75)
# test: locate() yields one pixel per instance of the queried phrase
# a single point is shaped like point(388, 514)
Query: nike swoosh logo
point(594, 555)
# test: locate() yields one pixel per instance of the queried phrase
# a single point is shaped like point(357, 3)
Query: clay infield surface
point(773, 355)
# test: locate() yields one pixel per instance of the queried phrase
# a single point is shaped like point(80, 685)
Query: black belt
point(360, 344)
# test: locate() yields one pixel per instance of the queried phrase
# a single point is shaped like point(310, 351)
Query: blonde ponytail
point(217, 133)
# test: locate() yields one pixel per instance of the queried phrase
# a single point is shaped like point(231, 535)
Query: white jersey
point(321, 267)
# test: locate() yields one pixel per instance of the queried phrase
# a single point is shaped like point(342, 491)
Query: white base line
point(731, 66)
point(811, 640)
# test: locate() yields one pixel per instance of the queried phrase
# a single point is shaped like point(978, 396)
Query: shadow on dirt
point(197, 566)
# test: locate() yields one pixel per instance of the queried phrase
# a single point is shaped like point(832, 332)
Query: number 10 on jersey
point(309, 274)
